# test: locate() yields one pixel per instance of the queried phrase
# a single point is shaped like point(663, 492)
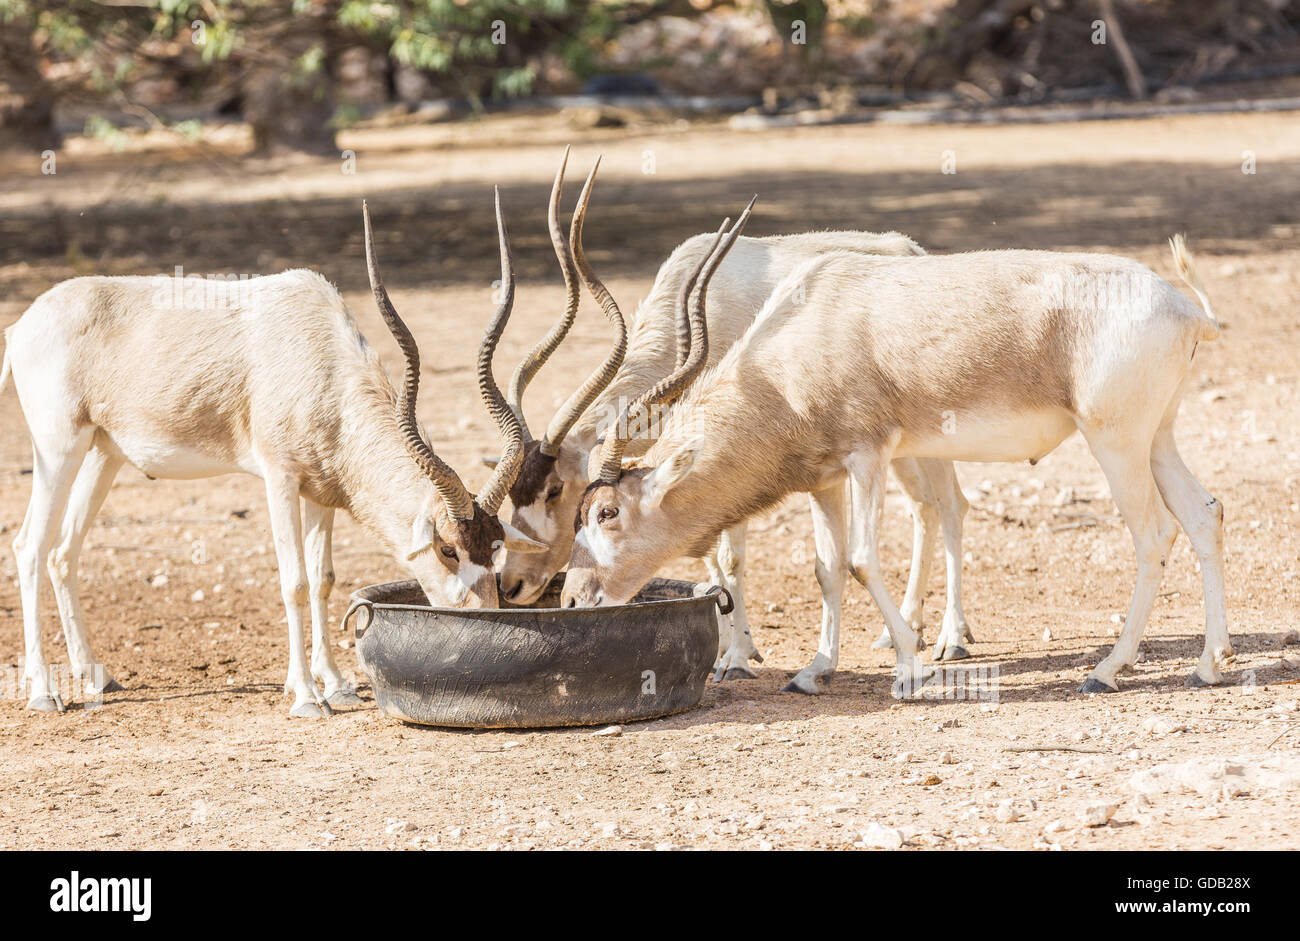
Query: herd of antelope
point(803, 363)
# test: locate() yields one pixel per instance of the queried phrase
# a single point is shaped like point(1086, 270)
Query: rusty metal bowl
point(538, 666)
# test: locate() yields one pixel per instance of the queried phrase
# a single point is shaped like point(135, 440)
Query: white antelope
point(554, 473)
point(856, 360)
point(273, 380)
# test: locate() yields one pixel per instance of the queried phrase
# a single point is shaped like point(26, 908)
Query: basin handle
point(723, 597)
point(352, 609)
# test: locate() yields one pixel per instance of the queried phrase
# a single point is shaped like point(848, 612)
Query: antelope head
point(457, 543)
point(549, 486)
point(624, 529)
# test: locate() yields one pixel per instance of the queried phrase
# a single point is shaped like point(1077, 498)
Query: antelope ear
point(423, 536)
point(671, 472)
point(516, 541)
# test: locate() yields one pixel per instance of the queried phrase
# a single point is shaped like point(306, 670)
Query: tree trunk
point(27, 122)
point(289, 110)
point(26, 98)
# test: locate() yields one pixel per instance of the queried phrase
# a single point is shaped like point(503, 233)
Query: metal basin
point(537, 666)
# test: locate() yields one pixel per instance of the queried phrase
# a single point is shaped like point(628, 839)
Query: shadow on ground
point(448, 235)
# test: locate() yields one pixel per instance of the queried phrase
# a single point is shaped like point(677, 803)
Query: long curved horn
point(684, 298)
point(572, 410)
point(540, 353)
point(672, 386)
point(448, 484)
point(512, 430)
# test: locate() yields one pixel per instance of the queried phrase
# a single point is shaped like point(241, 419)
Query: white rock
point(881, 837)
point(946, 758)
point(1007, 811)
point(1047, 634)
point(903, 757)
point(197, 596)
point(1159, 725)
point(609, 730)
point(1097, 815)
point(159, 581)
point(399, 826)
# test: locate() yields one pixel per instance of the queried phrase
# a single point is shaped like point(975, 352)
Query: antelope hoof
point(112, 686)
point(740, 673)
point(883, 642)
point(311, 710)
point(1196, 681)
point(1094, 685)
point(809, 684)
point(344, 696)
point(955, 653)
point(46, 704)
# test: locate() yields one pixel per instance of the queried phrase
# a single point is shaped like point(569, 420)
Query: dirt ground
point(199, 750)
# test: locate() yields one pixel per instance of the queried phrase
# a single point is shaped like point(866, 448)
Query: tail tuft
point(1187, 271)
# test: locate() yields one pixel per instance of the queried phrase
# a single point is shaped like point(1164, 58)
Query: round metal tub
point(537, 666)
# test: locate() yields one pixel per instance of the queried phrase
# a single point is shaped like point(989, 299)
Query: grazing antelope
point(277, 382)
point(856, 360)
point(546, 493)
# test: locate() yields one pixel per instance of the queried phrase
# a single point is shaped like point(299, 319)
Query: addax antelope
point(272, 379)
point(546, 492)
point(856, 360)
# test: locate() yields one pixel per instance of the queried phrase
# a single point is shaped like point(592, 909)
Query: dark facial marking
point(530, 485)
point(475, 538)
point(584, 504)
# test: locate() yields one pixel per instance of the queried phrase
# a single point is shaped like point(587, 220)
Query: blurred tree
point(275, 61)
point(801, 24)
point(51, 50)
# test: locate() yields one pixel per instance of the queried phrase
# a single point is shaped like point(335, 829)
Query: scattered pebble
point(1159, 725)
point(1097, 815)
point(881, 837)
point(609, 730)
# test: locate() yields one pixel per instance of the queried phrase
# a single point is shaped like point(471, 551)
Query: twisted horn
point(672, 386)
point(512, 430)
point(540, 353)
point(448, 484)
point(683, 301)
point(572, 410)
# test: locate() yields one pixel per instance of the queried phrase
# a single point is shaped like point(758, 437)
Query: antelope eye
point(554, 492)
point(449, 552)
point(608, 513)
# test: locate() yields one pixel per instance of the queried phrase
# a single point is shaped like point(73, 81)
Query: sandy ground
point(199, 751)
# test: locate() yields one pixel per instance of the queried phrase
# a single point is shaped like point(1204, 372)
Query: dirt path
point(200, 752)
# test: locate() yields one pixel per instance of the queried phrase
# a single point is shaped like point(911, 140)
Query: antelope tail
point(1187, 271)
